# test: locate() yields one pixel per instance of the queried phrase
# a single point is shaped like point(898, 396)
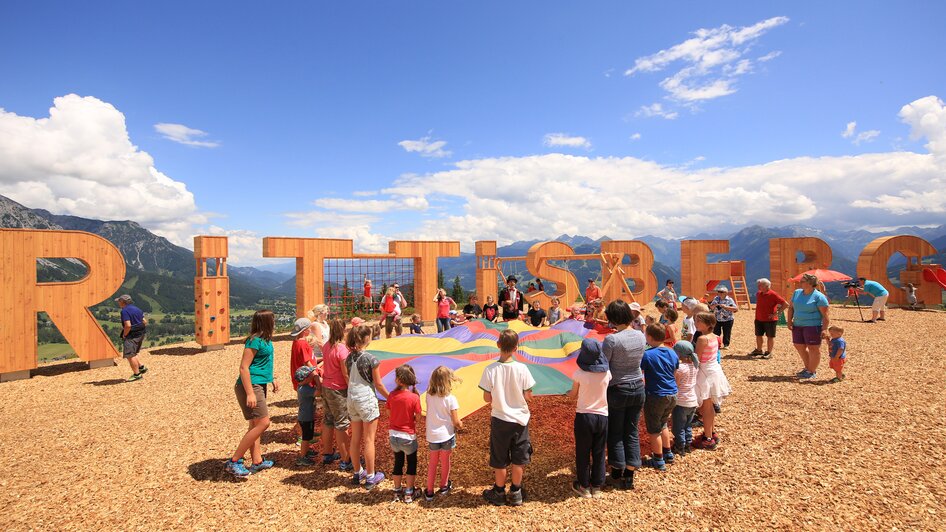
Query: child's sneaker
point(580, 490)
point(372, 481)
point(515, 498)
point(265, 464)
point(329, 458)
point(496, 498)
point(359, 477)
point(668, 456)
point(345, 466)
point(237, 468)
point(596, 492)
point(445, 490)
point(627, 481)
point(408, 496)
point(718, 409)
point(306, 460)
point(659, 465)
point(678, 450)
point(398, 494)
point(428, 496)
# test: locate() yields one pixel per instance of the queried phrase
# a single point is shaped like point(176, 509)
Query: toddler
point(416, 324)
point(685, 411)
point(837, 351)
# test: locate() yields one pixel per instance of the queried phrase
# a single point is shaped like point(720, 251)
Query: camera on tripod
point(850, 284)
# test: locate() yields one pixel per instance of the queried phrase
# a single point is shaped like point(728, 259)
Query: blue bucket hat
point(590, 357)
point(684, 350)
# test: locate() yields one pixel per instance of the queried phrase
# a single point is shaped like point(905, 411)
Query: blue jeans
point(681, 420)
point(624, 412)
point(443, 324)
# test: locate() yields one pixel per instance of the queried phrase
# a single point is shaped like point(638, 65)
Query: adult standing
point(444, 304)
point(592, 292)
point(808, 320)
point(768, 304)
point(319, 326)
point(624, 350)
point(880, 294)
point(510, 299)
point(134, 325)
point(391, 309)
point(668, 295)
point(723, 307)
point(401, 301)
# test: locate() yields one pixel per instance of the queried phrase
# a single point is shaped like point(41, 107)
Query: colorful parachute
point(549, 353)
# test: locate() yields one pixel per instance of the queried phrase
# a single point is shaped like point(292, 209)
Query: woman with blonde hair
point(319, 327)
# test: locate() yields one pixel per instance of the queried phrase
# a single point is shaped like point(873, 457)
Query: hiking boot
point(237, 468)
point(580, 490)
point(515, 498)
point(496, 498)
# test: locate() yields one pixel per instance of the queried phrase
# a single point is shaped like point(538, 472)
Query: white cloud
point(864, 136)
point(80, 161)
point(565, 140)
point(182, 134)
point(418, 203)
point(426, 147)
point(656, 109)
point(244, 247)
point(711, 61)
point(515, 198)
point(636, 136)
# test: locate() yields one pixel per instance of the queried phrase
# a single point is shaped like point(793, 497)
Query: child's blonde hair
point(441, 381)
point(706, 318)
point(836, 328)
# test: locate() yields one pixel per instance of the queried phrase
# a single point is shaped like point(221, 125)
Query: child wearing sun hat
point(590, 387)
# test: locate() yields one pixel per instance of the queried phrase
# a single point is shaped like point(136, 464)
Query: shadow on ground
point(176, 351)
point(106, 382)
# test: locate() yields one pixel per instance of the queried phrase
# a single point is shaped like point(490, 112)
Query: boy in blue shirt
point(659, 364)
point(837, 352)
point(133, 334)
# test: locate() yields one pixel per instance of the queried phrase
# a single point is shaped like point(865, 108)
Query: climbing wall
point(211, 292)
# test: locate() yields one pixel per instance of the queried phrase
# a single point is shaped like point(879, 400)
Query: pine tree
point(458, 294)
point(440, 281)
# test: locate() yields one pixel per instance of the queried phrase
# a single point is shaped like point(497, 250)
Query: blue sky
point(533, 115)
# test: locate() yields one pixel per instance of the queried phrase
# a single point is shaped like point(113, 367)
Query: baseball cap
point(125, 298)
point(635, 306)
point(300, 325)
point(356, 321)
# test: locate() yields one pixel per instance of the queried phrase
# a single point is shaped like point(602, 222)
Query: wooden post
point(211, 293)
point(784, 263)
point(872, 264)
point(21, 296)
point(310, 255)
point(486, 271)
point(695, 272)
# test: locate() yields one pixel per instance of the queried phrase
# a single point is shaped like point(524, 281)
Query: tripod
point(857, 303)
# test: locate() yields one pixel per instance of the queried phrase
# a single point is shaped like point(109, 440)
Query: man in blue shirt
point(133, 334)
point(880, 294)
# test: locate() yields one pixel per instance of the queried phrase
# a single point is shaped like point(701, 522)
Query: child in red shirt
point(404, 405)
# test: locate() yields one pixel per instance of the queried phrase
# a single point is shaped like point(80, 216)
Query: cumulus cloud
point(541, 196)
point(656, 109)
point(850, 132)
point(565, 140)
point(426, 147)
point(182, 134)
point(245, 247)
point(709, 62)
point(80, 161)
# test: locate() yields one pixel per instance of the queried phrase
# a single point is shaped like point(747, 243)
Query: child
point(555, 313)
point(837, 351)
point(256, 372)
point(658, 365)
point(911, 295)
point(649, 320)
point(685, 410)
point(415, 325)
point(670, 327)
point(364, 383)
point(306, 379)
point(662, 307)
point(590, 386)
point(301, 355)
point(507, 386)
point(711, 383)
point(335, 396)
point(404, 405)
point(457, 319)
point(376, 331)
point(689, 326)
point(443, 420)
point(490, 310)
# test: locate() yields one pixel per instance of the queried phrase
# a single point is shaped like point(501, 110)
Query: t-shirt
point(508, 382)
point(332, 358)
point(366, 363)
point(439, 422)
point(805, 308)
point(659, 365)
point(592, 293)
point(367, 290)
point(261, 367)
point(415, 328)
point(443, 307)
point(873, 288)
point(536, 315)
point(474, 310)
point(689, 328)
point(404, 405)
point(721, 313)
point(685, 376)
point(300, 355)
point(624, 351)
point(592, 392)
point(136, 318)
point(838, 348)
point(765, 303)
point(490, 311)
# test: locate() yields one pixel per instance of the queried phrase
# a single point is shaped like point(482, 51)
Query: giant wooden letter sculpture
point(565, 283)
point(784, 264)
point(872, 265)
point(21, 296)
point(640, 270)
point(695, 272)
point(486, 270)
point(425, 255)
point(211, 293)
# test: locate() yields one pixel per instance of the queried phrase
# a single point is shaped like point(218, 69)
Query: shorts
point(261, 411)
point(335, 408)
point(132, 346)
point(837, 364)
point(880, 303)
point(364, 410)
point(508, 444)
point(448, 445)
point(367, 300)
point(806, 335)
point(402, 445)
point(306, 396)
point(765, 328)
point(392, 322)
point(657, 412)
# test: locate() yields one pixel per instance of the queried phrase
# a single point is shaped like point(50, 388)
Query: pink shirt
point(592, 392)
point(443, 307)
point(686, 385)
point(712, 347)
point(333, 356)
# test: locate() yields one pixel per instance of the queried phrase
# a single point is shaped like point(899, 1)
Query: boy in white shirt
point(590, 386)
point(507, 386)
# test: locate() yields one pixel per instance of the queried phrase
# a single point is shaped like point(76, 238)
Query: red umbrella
point(825, 276)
